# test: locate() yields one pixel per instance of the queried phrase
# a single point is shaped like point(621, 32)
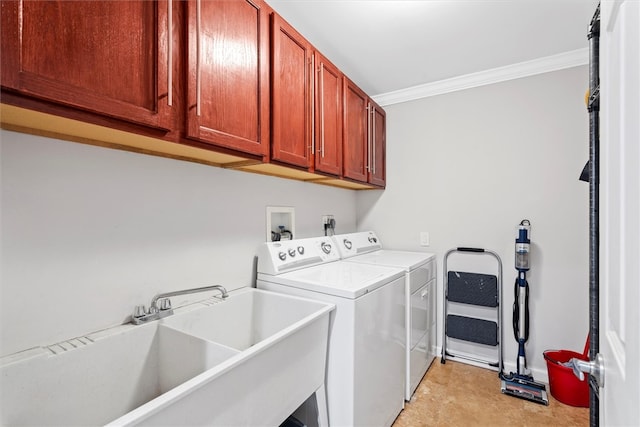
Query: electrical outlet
point(424, 238)
point(329, 225)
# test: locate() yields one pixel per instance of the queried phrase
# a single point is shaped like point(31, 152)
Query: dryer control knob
point(301, 250)
point(292, 252)
point(326, 247)
point(282, 255)
point(347, 244)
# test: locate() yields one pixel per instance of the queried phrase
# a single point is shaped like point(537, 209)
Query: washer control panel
point(287, 255)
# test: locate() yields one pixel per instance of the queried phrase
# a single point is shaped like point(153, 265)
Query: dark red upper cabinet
point(228, 74)
point(364, 145)
point(327, 147)
point(377, 145)
point(108, 57)
point(356, 133)
point(292, 85)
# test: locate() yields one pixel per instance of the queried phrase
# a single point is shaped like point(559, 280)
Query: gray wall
point(88, 232)
point(468, 166)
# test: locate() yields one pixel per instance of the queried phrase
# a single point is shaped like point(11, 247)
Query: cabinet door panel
point(291, 101)
point(377, 174)
point(356, 133)
point(228, 101)
point(328, 121)
point(103, 56)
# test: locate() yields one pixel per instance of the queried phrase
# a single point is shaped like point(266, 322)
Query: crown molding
point(573, 58)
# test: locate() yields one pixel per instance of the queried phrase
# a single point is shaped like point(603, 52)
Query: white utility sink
point(250, 359)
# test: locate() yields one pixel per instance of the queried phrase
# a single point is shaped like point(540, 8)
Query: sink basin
point(251, 359)
point(244, 320)
point(107, 376)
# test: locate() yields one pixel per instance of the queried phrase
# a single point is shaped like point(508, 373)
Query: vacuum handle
point(463, 249)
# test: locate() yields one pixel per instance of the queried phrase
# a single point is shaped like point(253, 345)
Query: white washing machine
point(420, 297)
point(365, 363)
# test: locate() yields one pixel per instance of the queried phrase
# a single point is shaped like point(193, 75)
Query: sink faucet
point(141, 316)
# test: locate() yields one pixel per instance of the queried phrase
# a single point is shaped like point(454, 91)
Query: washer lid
point(343, 279)
point(400, 259)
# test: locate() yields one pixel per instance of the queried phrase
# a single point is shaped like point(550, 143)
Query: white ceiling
point(388, 45)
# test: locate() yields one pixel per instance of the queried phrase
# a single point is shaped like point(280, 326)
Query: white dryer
point(365, 361)
point(420, 297)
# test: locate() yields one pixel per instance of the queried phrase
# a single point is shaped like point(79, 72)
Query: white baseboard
point(539, 374)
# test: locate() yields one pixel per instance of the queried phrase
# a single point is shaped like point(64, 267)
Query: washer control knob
point(326, 247)
point(372, 239)
point(301, 250)
point(282, 255)
point(292, 252)
point(347, 244)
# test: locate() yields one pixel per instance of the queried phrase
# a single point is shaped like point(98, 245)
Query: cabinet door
point(228, 76)
point(291, 74)
point(377, 145)
point(108, 57)
point(328, 118)
point(356, 132)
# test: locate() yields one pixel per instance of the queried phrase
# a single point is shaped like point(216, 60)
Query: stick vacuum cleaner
point(521, 384)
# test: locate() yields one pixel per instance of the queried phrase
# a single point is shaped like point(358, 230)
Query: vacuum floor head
point(524, 388)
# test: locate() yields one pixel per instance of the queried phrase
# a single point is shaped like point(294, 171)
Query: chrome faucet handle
point(165, 304)
point(139, 311)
